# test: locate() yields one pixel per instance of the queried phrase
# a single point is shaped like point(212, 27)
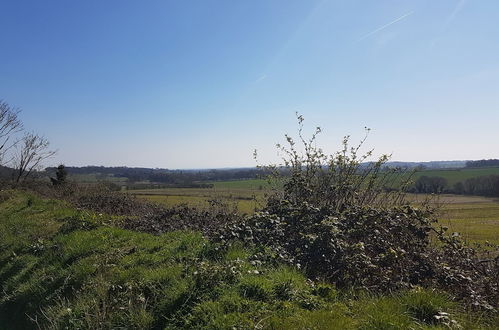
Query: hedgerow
point(345, 220)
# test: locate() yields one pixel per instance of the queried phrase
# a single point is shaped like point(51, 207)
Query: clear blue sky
point(191, 84)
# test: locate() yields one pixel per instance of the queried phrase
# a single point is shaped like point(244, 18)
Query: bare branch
point(9, 126)
point(32, 151)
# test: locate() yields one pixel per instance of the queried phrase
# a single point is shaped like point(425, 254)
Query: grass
point(477, 220)
point(456, 175)
point(67, 268)
point(243, 206)
point(245, 195)
point(252, 184)
point(96, 177)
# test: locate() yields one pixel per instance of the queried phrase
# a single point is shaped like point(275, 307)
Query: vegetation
point(480, 186)
point(329, 246)
point(483, 163)
point(20, 157)
point(334, 219)
point(476, 219)
point(430, 185)
point(9, 126)
point(157, 177)
point(66, 268)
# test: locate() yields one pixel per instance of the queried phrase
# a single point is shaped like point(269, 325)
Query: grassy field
point(475, 218)
point(461, 174)
point(245, 195)
point(96, 177)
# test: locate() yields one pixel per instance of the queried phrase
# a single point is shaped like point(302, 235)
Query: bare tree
point(33, 150)
point(9, 125)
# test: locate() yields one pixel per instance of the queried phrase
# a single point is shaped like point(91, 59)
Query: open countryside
point(476, 218)
point(249, 165)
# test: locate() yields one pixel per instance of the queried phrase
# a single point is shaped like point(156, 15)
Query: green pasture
point(96, 177)
point(245, 195)
point(456, 175)
point(252, 184)
point(243, 206)
point(476, 220)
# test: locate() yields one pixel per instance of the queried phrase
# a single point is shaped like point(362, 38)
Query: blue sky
point(192, 84)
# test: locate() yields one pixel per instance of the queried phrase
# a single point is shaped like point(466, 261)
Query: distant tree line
point(165, 176)
point(430, 184)
point(486, 185)
point(482, 186)
point(483, 163)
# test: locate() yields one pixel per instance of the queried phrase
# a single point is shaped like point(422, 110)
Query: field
point(245, 195)
point(96, 177)
point(461, 174)
point(475, 218)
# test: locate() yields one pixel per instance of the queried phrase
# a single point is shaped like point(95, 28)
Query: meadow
point(459, 174)
point(245, 195)
point(475, 218)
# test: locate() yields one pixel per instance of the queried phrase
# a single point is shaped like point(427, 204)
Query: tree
point(60, 175)
point(430, 185)
point(31, 153)
point(9, 125)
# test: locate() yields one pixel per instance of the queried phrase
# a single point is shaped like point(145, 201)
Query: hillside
point(64, 267)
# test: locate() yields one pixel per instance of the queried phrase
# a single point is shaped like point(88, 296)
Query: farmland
point(475, 218)
point(460, 174)
point(452, 175)
point(246, 195)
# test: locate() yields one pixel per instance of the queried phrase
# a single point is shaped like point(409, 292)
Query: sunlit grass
point(83, 273)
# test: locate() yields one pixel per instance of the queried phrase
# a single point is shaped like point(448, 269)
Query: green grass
point(242, 206)
point(456, 175)
point(250, 184)
point(72, 269)
point(477, 222)
point(96, 177)
point(245, 195)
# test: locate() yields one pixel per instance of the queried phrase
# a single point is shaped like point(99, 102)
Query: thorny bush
point(138, 214)
point(346, 220)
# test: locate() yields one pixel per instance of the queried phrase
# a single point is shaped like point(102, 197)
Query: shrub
point(335, 219)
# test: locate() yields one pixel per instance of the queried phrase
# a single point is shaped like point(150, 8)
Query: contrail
point(386, 25)
point(449, 19)
point(456, 10)
point(262, 77)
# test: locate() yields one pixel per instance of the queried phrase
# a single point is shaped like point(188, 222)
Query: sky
point(201, 84)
